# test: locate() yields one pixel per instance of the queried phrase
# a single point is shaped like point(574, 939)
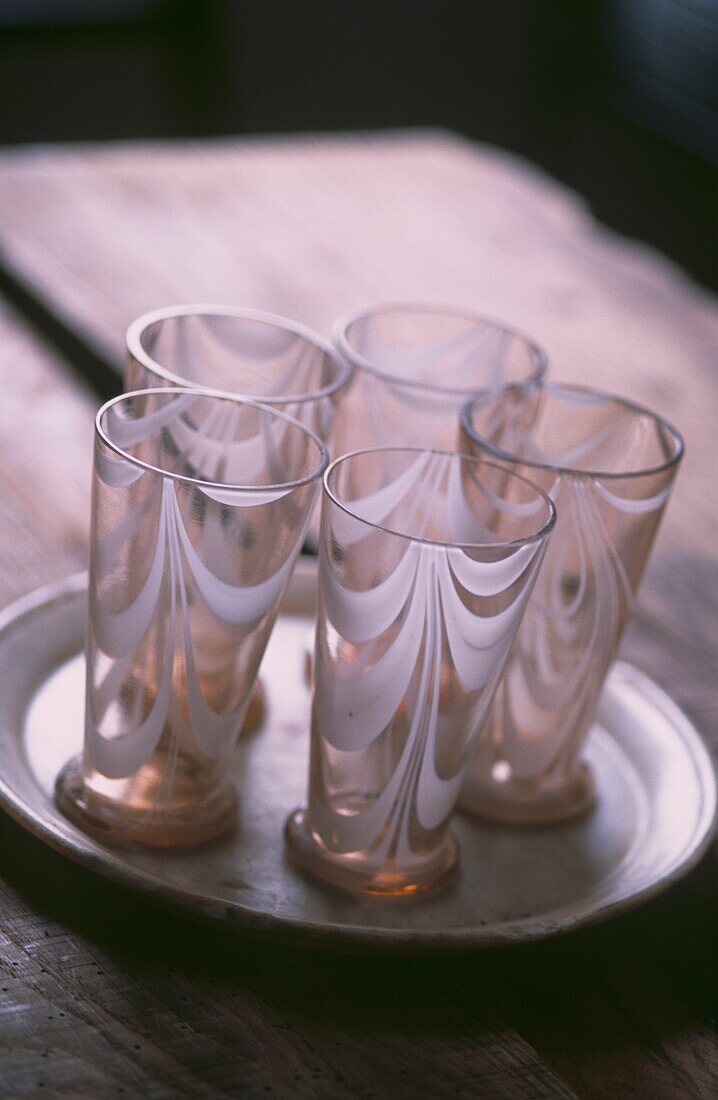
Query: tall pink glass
point(426, 562)
point(609, 467)
point(200, 504)
point(241, 353)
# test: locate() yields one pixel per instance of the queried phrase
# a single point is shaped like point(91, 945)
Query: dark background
point(617, 98)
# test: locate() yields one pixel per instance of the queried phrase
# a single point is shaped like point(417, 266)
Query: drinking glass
point(609, 466)
point(241, 353)
point(426, 562)
point(414, 366)
point(200, 504)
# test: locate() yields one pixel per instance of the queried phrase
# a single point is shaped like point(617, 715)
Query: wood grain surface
point(101, 994)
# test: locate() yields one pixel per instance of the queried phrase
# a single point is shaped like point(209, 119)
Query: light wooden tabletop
point(102, 994)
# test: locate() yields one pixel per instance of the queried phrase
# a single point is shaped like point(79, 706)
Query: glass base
point(348, 872)
point(520, 802)
point(132, 827)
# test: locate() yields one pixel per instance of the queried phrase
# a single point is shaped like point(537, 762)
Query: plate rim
point(69, 841)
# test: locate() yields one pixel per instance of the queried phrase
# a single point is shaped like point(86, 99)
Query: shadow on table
point(653, 969)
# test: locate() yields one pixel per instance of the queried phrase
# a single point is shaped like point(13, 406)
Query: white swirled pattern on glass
point(609, 467)
point(200, 508)
point(424, 573)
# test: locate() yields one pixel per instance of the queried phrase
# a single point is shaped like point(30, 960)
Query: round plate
point(655, 815)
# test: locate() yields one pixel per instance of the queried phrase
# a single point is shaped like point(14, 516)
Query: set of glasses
point(482, 536)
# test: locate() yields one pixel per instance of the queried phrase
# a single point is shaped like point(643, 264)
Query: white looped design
point(178, 577)
point(570, 632)
point(434, 612)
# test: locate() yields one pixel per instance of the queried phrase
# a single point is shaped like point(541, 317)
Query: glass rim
point(572, 471)
point(499, 544)
point(202, 483)
point(343, 322)
point(136, 329)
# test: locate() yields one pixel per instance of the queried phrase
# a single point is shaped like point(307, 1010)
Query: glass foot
point(128, 826)
point(501, 797)
point(349, 871)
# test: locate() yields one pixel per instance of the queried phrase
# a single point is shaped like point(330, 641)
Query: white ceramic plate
point(655, 816)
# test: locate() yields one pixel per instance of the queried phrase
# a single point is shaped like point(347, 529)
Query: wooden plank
point(46, 425)
point(114, 991)
point(312, 228)
point(611, 1013)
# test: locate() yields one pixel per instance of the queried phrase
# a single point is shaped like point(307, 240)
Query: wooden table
point(104, 995)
